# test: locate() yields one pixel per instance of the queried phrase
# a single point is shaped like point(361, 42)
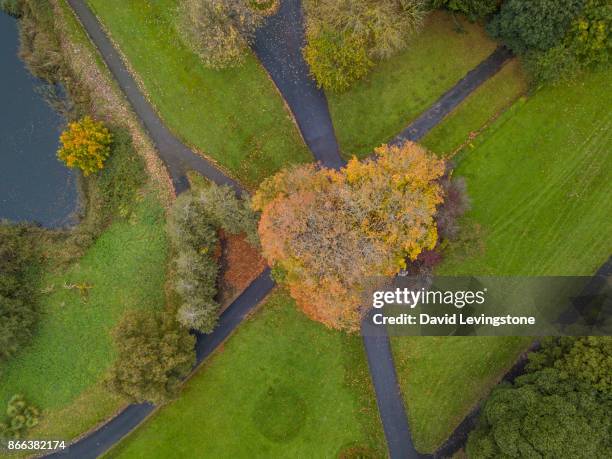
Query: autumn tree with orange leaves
point(326, 231)
point(85, 144)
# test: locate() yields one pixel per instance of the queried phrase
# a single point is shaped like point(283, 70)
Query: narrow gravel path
point(454, 96)
point(278, 45)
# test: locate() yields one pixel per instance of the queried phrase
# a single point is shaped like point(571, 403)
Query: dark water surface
point(34, 185)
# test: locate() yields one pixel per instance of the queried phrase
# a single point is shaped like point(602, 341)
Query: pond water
point(34, 185)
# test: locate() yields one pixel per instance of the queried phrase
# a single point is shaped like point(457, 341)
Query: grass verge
point(282, 386)
point(398, 90)
point(235, 116)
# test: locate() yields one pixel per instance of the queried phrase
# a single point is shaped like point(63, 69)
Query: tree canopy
point(560, 408)
point(154, 354)
point(345, 37)
point(325, 232)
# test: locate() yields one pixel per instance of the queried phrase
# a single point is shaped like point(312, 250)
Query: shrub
point(195, 239)
point(154, 354)
point(20, 417)
point(86, 145)
point(124, 174)
point(19, 257)
point(192, 227)
point(455, 204)
point(326, 231)
point(345, 37)
point(219, 31)
point(337, 60)
point(536, 25)
point(473, 9)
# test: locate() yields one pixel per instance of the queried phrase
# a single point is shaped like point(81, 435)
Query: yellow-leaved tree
point(85, 144)
point(325, 231)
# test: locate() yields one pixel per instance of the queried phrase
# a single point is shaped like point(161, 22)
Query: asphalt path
point(102, 439)
point(177, 157)
point(454, 96)
point(278, 45)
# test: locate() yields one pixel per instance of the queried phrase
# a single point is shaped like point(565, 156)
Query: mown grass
point(488, 101)
point(235, 116)
point(398, 90)
point(539, 180)
point(282, 386)
point(72, 346)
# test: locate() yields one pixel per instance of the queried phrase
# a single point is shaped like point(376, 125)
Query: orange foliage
point(329, 231)
point(240, 264)
point(86, 145)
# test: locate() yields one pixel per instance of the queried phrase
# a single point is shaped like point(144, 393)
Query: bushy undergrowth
point(41, 51)
point(12, 7)
point(20, 416)
point(19, 259)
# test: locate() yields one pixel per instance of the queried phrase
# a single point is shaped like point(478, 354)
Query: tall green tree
point(154, 354)
point(535, 25)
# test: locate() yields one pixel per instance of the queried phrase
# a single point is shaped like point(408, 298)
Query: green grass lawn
point(398, 90)
point(485, 103)
point(282, 386)
point(539, 180)
point(234, 116)
point(72, 346)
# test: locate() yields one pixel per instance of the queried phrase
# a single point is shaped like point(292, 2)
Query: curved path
point(278, 45)
point(177, 157)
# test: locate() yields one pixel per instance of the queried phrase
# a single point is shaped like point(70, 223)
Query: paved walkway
point(388, 394)
point(454, 96)
point(177, 157)
point(101, 440)
point(278, 45)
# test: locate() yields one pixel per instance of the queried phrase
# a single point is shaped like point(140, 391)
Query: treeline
point(345, 39)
